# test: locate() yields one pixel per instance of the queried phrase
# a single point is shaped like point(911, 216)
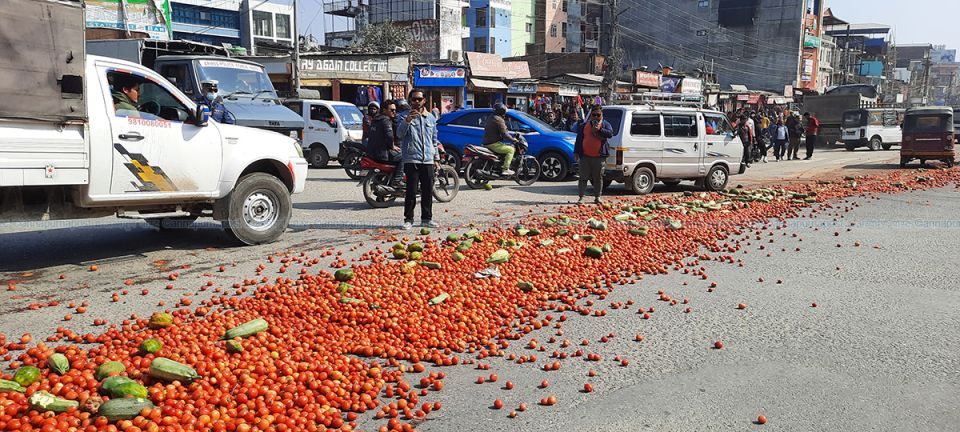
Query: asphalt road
point(879, 352)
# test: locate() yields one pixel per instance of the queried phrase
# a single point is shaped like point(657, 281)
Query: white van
point(328, 125)
point(873, 128)
point(670, 145)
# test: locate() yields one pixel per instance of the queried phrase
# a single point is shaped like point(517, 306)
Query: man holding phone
point(591, 150)
point(420, 155)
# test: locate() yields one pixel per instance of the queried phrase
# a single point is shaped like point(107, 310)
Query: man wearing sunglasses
point(417, 132)
point(591, 150)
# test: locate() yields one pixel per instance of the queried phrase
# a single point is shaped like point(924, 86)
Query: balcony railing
point(344, 8)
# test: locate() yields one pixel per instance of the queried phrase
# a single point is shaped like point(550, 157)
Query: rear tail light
point(619, 157)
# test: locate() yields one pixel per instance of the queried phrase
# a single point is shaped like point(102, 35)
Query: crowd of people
point(781, 131)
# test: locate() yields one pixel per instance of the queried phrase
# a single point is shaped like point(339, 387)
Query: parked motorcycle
point(481, 165)
point(379, 193)
point(350, 154)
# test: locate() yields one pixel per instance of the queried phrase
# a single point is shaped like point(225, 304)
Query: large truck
point(245, 88)
point(830, 106)
point(88, 136)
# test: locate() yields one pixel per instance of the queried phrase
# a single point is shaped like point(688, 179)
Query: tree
point(383, 38)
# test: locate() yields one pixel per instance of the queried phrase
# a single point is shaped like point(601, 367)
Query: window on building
point(563, 6)
point(493, 18)
point(480, 44)
point(645, 125)
point(679, 125)
point(553, 30)
point(481, 17)
point(703, 4)
point(262, 23)
point(563, 29)
point(529, 27)
point(283, 26)
point(463, 17)
point(493, 46)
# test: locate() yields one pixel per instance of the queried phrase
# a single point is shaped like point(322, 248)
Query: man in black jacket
point(591, 150)
point(382, 140)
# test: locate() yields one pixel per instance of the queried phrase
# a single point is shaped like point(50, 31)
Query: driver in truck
point(209, 96)
point(125, 93)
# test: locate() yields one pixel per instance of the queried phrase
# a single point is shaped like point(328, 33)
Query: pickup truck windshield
point(853, 119)
point(350, 115)
point(237, 78)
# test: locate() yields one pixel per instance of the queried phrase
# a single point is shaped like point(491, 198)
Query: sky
point(913, 21)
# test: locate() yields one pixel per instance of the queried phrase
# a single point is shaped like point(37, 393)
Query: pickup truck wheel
point(258, 209)
point(319, 156)
point(875, 144)
point(171, 223)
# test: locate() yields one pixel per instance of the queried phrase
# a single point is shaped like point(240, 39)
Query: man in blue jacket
point(591, 150)
point(419, 153)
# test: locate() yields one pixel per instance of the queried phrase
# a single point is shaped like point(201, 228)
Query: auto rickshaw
point(928, 135)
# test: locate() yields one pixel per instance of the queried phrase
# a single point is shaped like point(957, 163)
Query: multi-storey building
point(523, 21)
point(551, 26)
point(763, 44)
point(584, 25)
point(208, 21)
point(269, 26)
point(490, 27)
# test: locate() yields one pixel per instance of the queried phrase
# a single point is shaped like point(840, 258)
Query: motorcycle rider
point(496, 136)
point(382, 145)
point(373, 110)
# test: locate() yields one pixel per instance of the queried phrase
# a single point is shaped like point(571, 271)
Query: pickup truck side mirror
point(202, 116)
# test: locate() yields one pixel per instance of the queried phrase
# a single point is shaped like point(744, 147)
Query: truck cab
point(329, 125)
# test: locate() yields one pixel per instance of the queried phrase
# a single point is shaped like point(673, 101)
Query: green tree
point(383, 38)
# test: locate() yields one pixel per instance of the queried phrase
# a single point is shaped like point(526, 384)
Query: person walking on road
point(420, 155)
point(780, 137)
point(590, 151)
point(745, 132)
point(795, 130)
point(813, 129)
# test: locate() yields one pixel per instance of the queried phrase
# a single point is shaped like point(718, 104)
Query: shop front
point(442, 85)
point(355, 78)
point(485, 93)
point(520, 95)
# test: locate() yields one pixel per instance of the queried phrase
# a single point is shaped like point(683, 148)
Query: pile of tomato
point(324, 360)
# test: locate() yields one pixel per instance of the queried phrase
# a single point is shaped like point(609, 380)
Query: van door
point(158, 150)
point(681, 146)
point(643, 140)
point(322, 128)
point(721, 143)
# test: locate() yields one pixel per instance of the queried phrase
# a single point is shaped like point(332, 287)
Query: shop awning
point(360, 82)
point(488, 84)
point(315, 82)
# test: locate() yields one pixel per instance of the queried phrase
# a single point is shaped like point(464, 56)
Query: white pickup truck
point(86, 136)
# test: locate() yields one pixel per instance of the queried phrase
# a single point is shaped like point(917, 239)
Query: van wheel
point(319, 156)
point(716, 179)
point(642, 181)
point(554, 166)
point(258, 209)
point(875, 144)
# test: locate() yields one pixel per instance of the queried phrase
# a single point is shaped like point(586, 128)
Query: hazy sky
point(913, 21)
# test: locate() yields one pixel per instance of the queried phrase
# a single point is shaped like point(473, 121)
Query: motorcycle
point(481, 165)
point(380, 194)
point(351, 153)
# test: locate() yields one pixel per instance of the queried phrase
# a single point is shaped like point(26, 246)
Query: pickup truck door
point(158, 151)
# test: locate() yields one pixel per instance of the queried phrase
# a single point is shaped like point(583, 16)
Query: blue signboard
point(439, 76)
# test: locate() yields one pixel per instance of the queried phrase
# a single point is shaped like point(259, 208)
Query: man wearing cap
point(209, 97)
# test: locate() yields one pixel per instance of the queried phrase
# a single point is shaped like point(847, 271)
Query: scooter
point(379, 193)
point(481, 165)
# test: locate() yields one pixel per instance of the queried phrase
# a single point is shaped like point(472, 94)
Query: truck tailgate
point(40, 153)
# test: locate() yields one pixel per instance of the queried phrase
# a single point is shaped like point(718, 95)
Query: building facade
point(436, 27)
point(551, 26)
point(523, 24)
point(584, 25)
point(213, 22)
point(490, 27)
point(756, 43)
point(269, 27)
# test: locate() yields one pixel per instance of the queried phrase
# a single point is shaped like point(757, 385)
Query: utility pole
point(614, 58)
point(296, 52)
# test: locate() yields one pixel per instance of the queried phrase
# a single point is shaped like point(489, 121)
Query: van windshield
point(932, 124)
point(854, 119)
point(350, 116)
point(237, 78)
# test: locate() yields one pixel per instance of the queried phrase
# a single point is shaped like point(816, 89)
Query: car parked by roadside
point(671, 144)
point(874, 128)
point(330, 125)
point(553, 148)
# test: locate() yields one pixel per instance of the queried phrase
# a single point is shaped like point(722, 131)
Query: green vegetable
point(431, 265)
point(234, 346)
point(350, 300)
point(343, 288)
point(343, 275)
point(415, 247)
point(533, 232)
point(169, 370)
point(562, 251)
point(638, 232)
point(472, 234)
point(439, 299)
point(27, 375)
point(587, 237)
point(499, 257)
point(457, 257)
point(43, 401)
point(128, 389)
point(424, 231)
point(399, 254)
point(246, 329)
point(674, 224)
point(109, 368)
point(563, 232)
point(58, 363)
point(453, 238)
point(113, 382)
point(593, 252)
point(124, 409)
point(415, 256)
point(525, 286)
point(546, 242)
point(11, 386)
point(150, 346)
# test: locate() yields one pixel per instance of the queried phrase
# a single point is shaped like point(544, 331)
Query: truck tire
point(875, 143)
point(258, 209)
point(319, 156)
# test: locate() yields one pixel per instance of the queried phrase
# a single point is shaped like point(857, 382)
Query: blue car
point(553, 148)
